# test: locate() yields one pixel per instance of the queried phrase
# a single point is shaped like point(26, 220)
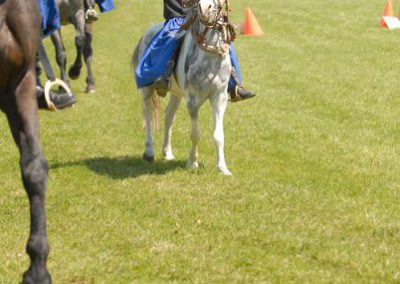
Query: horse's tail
point(154, 99)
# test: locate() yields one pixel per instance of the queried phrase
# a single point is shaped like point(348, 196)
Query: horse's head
point(214, 31)
point(209, 10)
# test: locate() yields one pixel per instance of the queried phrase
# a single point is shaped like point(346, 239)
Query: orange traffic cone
point(389, 12)
point(251, 26)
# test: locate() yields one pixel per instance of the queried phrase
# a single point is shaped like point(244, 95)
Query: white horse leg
point(173, 105)
point(193, 162)
point(218, 103)
point(147, 109)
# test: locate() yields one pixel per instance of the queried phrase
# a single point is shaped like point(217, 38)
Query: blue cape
point(160, 50)
point(105, 5)
point(50, 16)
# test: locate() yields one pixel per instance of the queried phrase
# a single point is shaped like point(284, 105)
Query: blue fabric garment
point(105, 5)
point(50, 16)
point(162, 47)
point(235, 64)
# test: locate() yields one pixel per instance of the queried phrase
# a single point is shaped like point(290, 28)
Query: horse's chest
point(205, 73)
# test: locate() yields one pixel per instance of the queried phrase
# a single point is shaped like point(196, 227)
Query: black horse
point(19, 38)
point(73, 12)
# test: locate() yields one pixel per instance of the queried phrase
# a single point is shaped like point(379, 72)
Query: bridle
point(219, 23)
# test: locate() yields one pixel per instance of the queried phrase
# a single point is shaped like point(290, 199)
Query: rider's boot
point(163, 83)
point(60, 100)
point(238, 92)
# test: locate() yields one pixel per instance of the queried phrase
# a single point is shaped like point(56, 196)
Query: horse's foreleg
point(75, 69)
point(147, 108)
point(88, 56)
point(61, 57)
point(218, 103)
point(23, 119)
point(173, 105)
point(195, 134)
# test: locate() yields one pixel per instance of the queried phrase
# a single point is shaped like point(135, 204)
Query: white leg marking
point(218, 103)
point(173, 105)
point(147, 110)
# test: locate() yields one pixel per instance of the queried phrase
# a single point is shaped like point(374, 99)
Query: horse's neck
point(196, 65)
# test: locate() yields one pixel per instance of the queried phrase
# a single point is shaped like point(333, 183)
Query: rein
point(220, 23)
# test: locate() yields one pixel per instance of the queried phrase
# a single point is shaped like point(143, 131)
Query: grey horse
point(202, 73)
point(73, 12)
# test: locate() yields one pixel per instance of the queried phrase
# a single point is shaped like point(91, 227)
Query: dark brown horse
point(19, 38)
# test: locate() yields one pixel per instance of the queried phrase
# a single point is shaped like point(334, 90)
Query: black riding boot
point(60, 100)
point(238, 92)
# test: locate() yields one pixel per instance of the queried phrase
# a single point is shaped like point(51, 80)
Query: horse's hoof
point(148, 158)
point(90, 89)
point(192, 165)
point(168, 156)
point(226, 172)
point(74, 73)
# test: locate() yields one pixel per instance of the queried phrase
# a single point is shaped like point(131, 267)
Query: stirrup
point(47, 88)
point(235, 97)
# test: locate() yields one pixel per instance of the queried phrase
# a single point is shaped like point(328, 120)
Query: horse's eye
point(209, 7)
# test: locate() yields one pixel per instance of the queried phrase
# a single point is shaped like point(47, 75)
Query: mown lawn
point(314, 196)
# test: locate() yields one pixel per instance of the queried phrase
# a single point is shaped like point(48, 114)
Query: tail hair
point(155, 100)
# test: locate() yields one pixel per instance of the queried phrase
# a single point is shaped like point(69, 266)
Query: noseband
point(220, 23)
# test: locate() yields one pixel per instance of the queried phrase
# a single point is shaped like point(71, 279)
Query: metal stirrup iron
point(52, 80)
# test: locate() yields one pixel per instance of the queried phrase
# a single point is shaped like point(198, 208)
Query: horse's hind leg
point(61, 57)
point(23, 119)
point(195, 134)
point(173, 105)
point(147, 108)
point(88, 56)
point(218, 103)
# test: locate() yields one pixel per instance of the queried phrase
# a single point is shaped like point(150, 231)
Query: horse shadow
point(120, 168)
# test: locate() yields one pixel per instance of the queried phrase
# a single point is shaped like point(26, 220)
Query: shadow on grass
point(124, 167)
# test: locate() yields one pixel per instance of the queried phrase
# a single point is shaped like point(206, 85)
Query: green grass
point(314, 196)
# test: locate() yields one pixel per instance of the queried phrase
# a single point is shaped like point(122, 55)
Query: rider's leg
point(163, 83)
point(157, 62)
point(91, 14)
point(236, 91)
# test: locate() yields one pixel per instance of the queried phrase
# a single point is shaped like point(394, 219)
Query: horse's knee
point(34, 174)
point(80, 41)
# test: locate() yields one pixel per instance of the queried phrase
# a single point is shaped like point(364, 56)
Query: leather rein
point(220, 23)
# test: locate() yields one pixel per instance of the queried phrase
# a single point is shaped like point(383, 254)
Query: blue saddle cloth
point(50, 16)
point(105, 5)
point(160, 50)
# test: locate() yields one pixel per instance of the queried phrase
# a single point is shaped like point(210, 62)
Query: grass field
point(314, 196)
